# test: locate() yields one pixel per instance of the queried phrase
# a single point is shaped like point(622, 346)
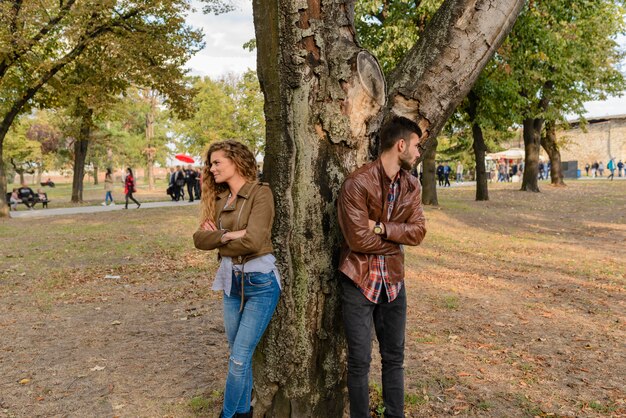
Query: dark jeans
point(190, 191)
point(129, 195)
point(389, 322)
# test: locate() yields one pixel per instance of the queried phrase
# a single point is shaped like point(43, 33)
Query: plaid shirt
point(379, 277)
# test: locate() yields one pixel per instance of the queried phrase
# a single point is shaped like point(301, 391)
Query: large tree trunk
point(480, 149)
point(324, 102)
point(81, 147)
point(532, 139)
point(429, 180)
point(548, 142)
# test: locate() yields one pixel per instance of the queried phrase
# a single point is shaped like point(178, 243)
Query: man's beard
point(405, 162)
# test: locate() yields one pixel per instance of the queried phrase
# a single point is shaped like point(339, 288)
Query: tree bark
point(480, 149)
point(429, 179)
point(95, 175)
point(325, 100)
point(532, 139)
point(4, 207)
point(81, 146)
point(548, 142)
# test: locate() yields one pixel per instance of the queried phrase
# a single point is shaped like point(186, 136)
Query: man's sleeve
point(353, 221)
point(412, 231)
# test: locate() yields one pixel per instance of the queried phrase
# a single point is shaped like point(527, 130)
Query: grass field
point(517, 308)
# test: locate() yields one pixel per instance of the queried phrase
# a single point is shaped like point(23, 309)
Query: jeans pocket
point(260, 279)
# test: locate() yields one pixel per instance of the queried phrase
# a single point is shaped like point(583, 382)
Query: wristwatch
point(378, 228)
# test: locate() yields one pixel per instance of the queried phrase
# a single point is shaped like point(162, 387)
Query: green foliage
point(228, 108)
point(21, 153)
point(565, 52)
point(389, 28)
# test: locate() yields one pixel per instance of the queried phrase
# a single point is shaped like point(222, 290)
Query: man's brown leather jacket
point(363, 196)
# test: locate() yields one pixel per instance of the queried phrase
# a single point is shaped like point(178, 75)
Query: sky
point(224, 53)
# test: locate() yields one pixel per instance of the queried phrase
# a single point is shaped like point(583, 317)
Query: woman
point(129, 188)
point(108, 187)
point(237, 213)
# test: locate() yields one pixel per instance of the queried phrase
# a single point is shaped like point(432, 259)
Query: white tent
point(510, 154)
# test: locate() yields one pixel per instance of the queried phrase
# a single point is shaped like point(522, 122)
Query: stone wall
point(603, 139)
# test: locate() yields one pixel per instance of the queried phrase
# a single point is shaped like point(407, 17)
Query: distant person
point(197, 186)
point(540, 170)
point(130, 188)
point(179, 182)
point(14, 199)
point(446, 175)
point(108, 188)
point(587, 167)
point(48, 183)
point(43, 198)
point(440, 174)
point(27, 196)
point(459, 172)
point(190, 181)
point(594, 169)
point(171, 184)
point(620, 167)
point(601, 169)
point(611, 167)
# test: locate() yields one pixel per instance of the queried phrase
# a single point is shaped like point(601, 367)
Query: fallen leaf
point(97, 369)
point(24, 381)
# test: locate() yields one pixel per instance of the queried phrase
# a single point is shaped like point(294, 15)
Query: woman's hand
point(231, 235)
point(208, 225)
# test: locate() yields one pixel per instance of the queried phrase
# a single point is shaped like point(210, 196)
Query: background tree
point(41, 39)
point(561, 53)
point(230, 107)
point(325, 99)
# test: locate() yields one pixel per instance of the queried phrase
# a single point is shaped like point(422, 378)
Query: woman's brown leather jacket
point(363, 196)
point(253, 211)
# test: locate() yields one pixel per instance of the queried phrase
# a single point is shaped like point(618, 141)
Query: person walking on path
point(190, 180)
point(379, 211)
point(446, 174)
point(594, 169)
point(459, 172)
point(611, 167)
point(440, 174)
point(587, 167)
point(237, 213)
point(108, 188)
point(601, 169)
point(620, 166)
point(130, 188)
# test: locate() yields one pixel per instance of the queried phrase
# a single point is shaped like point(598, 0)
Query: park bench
point(30, 199)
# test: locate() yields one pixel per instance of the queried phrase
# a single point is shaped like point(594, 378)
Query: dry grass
point(516, 309)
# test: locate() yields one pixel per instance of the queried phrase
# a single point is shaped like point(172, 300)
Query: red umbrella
point(184, 158)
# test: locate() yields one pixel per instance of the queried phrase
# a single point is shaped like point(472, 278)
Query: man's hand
point(208, 225)
point(231, 235)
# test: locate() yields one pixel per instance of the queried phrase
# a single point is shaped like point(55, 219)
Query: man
point(179, 182)
point(440, 174)
point(446, 174)
point(27, 196)
point(190, 180)
point(379, 210)
point(611, 167)
point(459, 172)
point(620, 166)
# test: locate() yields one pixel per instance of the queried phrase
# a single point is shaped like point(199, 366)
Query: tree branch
point(17, 53)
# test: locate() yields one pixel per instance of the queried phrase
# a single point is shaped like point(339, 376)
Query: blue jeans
point(108, 197)
point(244, 330)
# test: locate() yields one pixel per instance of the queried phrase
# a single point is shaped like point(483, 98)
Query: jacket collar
point(244, 192)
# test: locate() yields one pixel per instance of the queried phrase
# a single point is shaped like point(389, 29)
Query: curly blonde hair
point(245, 164)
